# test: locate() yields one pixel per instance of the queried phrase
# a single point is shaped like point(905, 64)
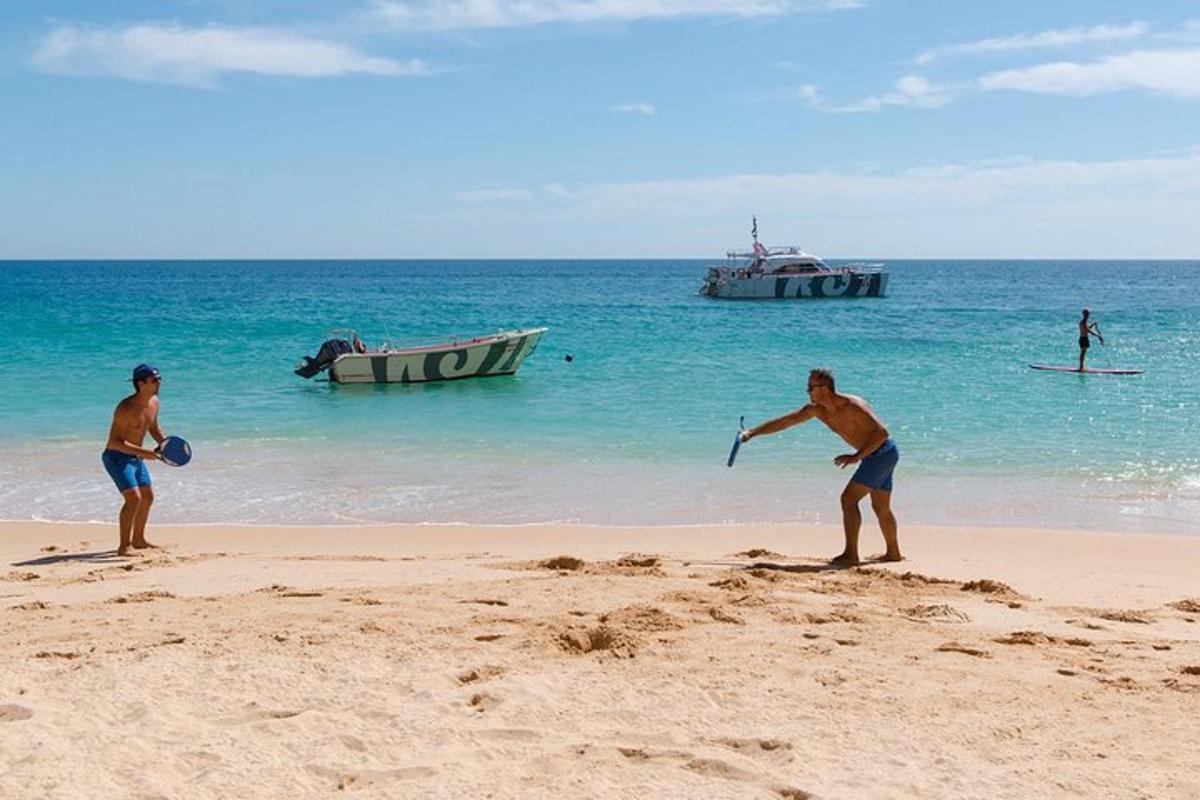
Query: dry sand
point(425, 661)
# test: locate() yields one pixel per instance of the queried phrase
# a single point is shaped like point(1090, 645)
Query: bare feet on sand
point(845, 560)
point(126, 550)
point(889, 557)
point(145, 545)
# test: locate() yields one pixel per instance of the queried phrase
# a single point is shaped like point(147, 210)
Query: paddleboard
point(1087, 371)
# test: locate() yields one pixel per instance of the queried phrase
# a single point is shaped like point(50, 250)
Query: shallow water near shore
point(636, 427)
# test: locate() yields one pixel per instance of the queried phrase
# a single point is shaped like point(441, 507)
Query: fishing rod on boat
point(386, 332)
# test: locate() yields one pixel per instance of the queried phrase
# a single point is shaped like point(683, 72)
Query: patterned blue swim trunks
point(876, 469)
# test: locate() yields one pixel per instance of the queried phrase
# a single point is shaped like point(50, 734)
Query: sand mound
point(562, 562)
point(758, 552)
point(639, 560)
point(600, 638)
point(641, 618)
point(989, 586)
point(142, 597)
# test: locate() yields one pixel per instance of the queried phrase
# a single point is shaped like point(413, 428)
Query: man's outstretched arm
point(781, 423)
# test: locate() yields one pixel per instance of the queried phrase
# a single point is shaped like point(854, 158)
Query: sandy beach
point(544, 661)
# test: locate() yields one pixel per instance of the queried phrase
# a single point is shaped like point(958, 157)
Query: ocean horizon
point(634, 429)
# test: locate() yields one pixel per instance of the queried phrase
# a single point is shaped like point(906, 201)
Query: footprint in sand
point(256, 713)
point(482, 701)
point(935, 613)
point(67, 654)
point(772, 749)
point(959, 647)
point(14, 713)
point(715, 768)
point(646, 754)
point(484, 673)
point(721, 615)
point(1125, 615)
point(33, 605)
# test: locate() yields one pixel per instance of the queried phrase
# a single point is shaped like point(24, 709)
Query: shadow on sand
point(99, 557)
point(821, 566)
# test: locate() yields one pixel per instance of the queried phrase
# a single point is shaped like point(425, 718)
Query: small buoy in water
point(570, 358)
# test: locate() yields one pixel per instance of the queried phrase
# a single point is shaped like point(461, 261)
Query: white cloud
point(466, 14)
point(1030, 41)
point(1004, 208)
point(1172, 72)
point(911, 90)
point(491, 195)
point(167, 53)
point(636, 108)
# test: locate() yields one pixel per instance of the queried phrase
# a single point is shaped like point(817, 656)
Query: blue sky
point(598, 128)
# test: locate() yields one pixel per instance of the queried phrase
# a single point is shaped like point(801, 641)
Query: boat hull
point(773, 287)
point(492, 355)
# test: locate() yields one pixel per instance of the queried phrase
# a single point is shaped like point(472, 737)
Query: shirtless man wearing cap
point(125, 459)
point(875, 453)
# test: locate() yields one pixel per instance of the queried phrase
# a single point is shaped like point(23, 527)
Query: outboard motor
point(328, 353)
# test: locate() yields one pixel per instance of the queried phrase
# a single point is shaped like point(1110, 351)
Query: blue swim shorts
point(126, 471)
point(876, 469)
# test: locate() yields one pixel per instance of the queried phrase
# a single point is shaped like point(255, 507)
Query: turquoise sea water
point(634, 430)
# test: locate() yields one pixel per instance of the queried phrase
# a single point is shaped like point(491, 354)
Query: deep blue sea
point(635, 428)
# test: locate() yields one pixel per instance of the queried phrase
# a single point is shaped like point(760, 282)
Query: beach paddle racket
point(737, 442)
point(174, 451)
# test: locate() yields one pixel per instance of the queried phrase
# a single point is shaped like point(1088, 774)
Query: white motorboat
point(789, 272)
point(349, 360)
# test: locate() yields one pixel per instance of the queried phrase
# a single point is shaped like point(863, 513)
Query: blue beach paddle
point(174, 451)
point(737, 441)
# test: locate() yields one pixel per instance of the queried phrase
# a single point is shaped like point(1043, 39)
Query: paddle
point(174, 451)
point(737, 441)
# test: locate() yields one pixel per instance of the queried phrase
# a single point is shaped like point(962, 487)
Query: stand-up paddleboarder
point(1086, 330)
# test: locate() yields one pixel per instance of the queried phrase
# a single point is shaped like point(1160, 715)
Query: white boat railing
point(449, 342)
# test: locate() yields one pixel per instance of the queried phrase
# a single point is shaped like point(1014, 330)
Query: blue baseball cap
point(144, 372)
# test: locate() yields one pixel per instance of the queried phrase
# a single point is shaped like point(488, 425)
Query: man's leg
point(133, 500)
point(851, 521)
point(1082, 356)
point(881, 503)
point(139, 520)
